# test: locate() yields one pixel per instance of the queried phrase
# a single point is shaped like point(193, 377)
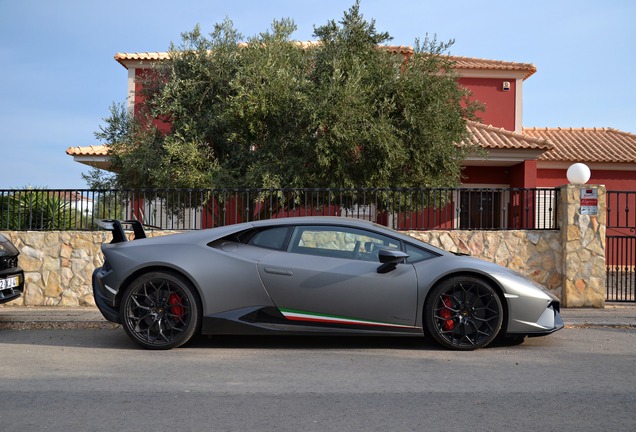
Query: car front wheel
point(463, 313)
point(160, 310)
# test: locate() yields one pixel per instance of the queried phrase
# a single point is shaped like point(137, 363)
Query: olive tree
point(343, 111)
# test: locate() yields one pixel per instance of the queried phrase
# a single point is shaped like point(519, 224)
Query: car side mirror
point(390, 258)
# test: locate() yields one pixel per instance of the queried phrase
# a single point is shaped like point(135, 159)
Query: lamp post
point(578, 174)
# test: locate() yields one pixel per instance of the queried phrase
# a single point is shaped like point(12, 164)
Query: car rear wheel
point(463, 313)
point(160, 310)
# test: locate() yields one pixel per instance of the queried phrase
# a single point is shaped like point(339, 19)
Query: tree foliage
point(38, 210)
point(271, 112)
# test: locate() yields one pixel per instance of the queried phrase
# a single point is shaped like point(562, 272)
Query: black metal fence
point(184, 209)
point(620, 274)
point(620, 256)
point(621, 211)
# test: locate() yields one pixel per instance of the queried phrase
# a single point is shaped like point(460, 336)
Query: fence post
point(583, 220)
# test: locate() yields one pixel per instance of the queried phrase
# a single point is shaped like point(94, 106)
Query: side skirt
point(270, 321)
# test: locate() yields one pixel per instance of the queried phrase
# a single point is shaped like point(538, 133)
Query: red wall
point(522, 175)
point(500, 104)
point(162, 124)
point(486, 175)
point(612, 180)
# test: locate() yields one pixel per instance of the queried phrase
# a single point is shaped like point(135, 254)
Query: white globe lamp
point(578, 174)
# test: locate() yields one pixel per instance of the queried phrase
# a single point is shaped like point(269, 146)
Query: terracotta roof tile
point(474, 63)
point(491, 137)
point(148, 56)
point(486, 64)
point(402, 49)
point(460, 62)
point(590, 145)
point(601, 145)
point(94, 150)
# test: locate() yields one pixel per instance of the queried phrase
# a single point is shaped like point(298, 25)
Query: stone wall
point(58, 265)
point(569, 262)
point(536, 254)
point(584, 241)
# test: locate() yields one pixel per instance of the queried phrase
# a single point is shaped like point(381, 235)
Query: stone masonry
point(570, 262)
point(58, 265)
point(536, 254)
point(583, 240)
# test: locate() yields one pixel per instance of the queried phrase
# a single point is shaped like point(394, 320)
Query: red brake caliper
point(175, 305)
point(446, 314)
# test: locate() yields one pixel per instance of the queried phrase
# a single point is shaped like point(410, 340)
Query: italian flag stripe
point(296, 315)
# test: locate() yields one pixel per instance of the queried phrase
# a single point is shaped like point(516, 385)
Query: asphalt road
point(580, 379)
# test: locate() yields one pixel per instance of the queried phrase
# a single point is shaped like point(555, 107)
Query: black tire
point(463, 313)
point(160, 311)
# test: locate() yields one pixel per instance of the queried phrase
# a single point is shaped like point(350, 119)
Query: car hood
point(511, 281)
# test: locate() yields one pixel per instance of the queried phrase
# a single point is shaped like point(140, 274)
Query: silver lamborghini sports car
point(311, 276)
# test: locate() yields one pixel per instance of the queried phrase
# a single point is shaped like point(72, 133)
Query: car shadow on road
point(330, 342)
point(116, 338)
point(313, 342)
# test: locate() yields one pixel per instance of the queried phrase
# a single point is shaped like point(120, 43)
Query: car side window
point(417, 254)
point(272, 238)
point(340, 242)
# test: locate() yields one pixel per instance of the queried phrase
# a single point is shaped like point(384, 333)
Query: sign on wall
point(589, 201)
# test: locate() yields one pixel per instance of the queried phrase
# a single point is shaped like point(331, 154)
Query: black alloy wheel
point(463, 313)
point(160, 310)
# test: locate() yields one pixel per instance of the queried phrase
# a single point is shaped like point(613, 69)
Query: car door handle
point(279, 271)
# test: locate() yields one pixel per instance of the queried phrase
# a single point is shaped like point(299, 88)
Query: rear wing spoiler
point(117, 228)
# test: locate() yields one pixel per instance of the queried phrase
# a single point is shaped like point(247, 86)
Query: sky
point(58, 77)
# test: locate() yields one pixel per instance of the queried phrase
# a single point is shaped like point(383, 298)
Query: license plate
point(10, 282)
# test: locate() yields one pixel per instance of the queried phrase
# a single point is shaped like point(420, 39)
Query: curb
point(52, 317)
point(57, 325)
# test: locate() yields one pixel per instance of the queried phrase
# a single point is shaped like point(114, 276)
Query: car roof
point(311, 220)
point(207, 235)
point(344, 221)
